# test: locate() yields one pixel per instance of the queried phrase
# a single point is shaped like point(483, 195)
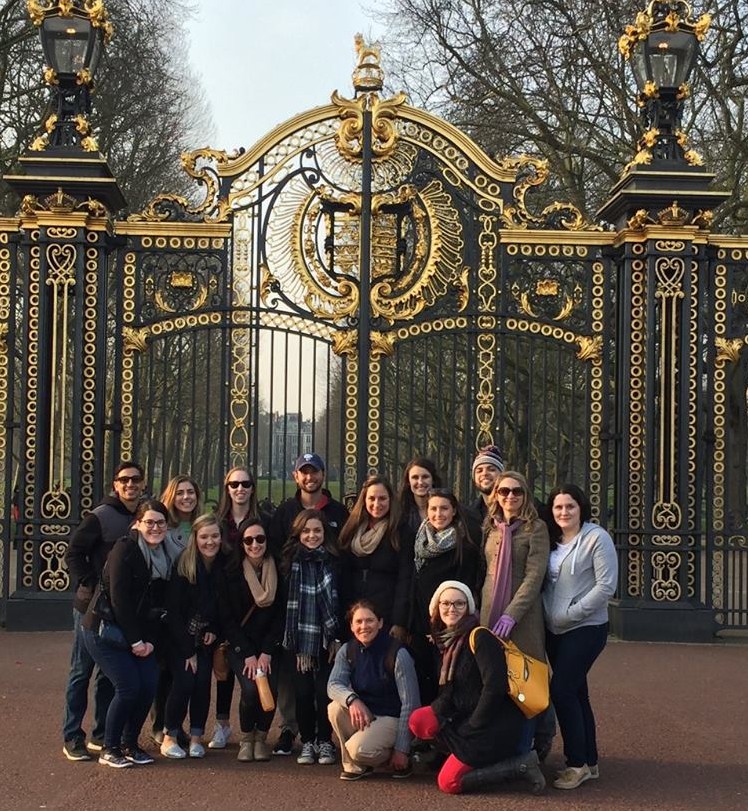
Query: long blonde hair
point(187, 565)
point(527, 513)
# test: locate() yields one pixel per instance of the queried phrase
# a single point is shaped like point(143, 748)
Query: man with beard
point(487, 467)
point(309, 475)
point(89, 547)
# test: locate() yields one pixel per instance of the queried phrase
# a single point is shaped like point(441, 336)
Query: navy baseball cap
point(313, 459)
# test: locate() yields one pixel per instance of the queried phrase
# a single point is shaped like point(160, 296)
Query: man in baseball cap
point(312, 459)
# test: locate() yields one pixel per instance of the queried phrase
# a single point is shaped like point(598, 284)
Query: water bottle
point(263, 689)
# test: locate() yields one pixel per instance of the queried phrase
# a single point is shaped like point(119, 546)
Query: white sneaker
point(221, 735)
point(308, 754)
point(327, 754)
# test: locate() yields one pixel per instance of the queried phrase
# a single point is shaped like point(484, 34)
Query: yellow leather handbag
point(528, 678)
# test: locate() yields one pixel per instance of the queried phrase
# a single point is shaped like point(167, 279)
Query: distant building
point(292, 436)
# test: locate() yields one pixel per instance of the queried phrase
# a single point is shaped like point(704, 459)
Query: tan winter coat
point(530, 550)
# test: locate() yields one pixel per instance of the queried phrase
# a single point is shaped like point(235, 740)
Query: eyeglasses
point(447, 604)
point(260, 540)
point(245, 483)
point(150, 524)
point(515, 491)
point(128, 479)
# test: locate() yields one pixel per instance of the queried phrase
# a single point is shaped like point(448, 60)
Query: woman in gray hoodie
point(582, 577)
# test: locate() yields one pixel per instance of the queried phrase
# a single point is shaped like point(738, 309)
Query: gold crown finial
point(368, 75)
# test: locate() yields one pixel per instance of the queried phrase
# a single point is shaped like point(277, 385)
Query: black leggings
point(189, 689)
point(311, 703)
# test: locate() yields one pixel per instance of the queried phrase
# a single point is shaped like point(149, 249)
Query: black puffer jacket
point(479, 722)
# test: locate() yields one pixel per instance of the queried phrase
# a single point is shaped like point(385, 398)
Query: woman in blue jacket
point(581, 579)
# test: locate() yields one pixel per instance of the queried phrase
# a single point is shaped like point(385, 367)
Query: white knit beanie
point(452, 584)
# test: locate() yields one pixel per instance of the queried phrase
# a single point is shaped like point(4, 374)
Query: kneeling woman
point(193, 626)
point(473, 717)
point(252, 612)
point(374, 690)
point(120, 628)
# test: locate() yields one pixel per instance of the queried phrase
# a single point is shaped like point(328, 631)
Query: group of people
point(378, 630)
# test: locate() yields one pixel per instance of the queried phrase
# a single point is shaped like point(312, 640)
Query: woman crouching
point(374, 690)
point(472, 717)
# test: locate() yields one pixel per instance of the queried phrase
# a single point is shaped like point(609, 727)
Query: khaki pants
point(367, 747)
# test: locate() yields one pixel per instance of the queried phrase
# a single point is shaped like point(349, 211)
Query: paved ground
point(673, 729)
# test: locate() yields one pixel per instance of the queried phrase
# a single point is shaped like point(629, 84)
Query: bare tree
point(545, 77)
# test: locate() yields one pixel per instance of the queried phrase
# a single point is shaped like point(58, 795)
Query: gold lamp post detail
point(73, 34)
point(662, 45)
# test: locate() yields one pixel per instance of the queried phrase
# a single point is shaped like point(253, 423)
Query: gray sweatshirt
point(586, 581)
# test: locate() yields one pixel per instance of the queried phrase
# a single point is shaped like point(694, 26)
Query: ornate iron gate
point(366, 282)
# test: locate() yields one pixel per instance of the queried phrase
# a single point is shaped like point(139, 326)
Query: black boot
point(525, 767)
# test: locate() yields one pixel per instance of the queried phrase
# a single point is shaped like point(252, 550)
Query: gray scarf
point(156, 558)
point(431, 543)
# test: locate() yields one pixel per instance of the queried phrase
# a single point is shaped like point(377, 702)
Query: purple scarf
point(502, 573)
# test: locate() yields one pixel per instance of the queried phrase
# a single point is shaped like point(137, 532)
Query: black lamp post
point(73, 33)
point(662, 45)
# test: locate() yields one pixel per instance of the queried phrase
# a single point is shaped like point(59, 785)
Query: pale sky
point(263, 61)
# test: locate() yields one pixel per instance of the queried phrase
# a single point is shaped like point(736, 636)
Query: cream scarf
point(262, 584)
point(366, 541)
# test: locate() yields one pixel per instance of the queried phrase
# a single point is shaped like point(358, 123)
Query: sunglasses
point(515, 491)
point(150, 524)
point(245, 483)
point(260, 540)
point(128, 479)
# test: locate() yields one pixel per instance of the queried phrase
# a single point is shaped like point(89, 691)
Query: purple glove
point(504, 626)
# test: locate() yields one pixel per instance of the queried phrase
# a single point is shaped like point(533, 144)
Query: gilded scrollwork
point(666, 515)
point(533, 172)
point(384, 112)
point(54, 575)
point(135, 340)
point(665, 585)
point(345, 343)
point(61, 203)
point(382, 344)
point(56, 504)
point(95, 10)
point(590, 347)
point(434, 269)
point(728, 349)
point(201, 165)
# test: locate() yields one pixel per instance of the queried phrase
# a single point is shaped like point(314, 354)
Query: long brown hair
point(224, 505)
point(405, 494)
point(359, 516)
point(291, 546)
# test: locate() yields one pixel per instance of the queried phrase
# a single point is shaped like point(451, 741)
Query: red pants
point(424, 724)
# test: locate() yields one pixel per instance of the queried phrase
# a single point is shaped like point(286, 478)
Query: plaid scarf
point(312, 614)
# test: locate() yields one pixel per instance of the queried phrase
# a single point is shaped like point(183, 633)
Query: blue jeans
point(134, 679)
point(82, 667)
point(571, 656)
